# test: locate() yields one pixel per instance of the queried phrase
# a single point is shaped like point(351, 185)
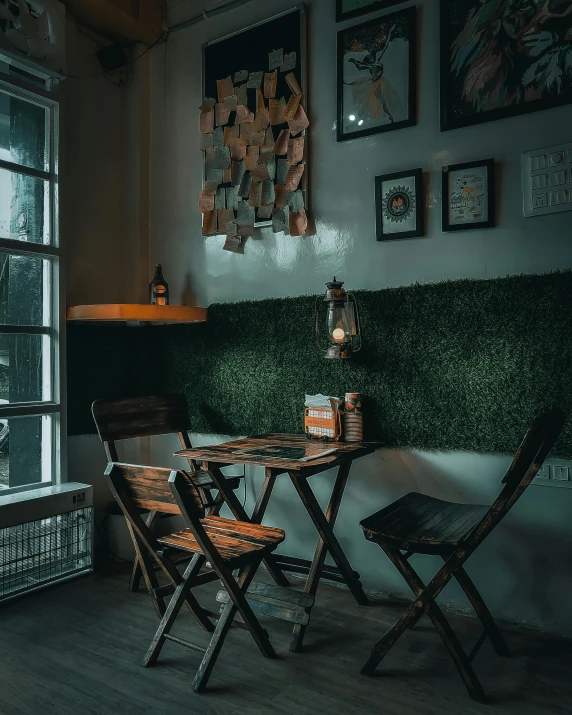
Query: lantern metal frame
point(337, 297)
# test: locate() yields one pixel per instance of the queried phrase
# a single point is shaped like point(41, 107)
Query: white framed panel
point(547, 180)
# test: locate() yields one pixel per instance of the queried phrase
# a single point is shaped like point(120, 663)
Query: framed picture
point(377, 75)
point(500, 58)
point(399, 205)
point(469, 195)
point(348, 9)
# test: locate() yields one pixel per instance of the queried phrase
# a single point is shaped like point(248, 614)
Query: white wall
point(341, 180)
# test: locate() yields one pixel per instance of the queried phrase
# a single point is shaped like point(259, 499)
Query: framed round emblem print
point(399, 205)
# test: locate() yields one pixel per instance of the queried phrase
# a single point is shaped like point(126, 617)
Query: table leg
point(240, 514)
point(319, 559)
point(229, 496)
point(324, 523)
point(277, 574)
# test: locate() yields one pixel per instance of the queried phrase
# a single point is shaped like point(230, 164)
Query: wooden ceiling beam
point(122, 20)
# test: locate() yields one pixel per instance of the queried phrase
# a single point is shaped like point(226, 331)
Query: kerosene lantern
point(342, 322)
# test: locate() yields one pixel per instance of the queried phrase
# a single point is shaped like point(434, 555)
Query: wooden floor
point(76, 648)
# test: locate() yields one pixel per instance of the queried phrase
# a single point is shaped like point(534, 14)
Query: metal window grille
point(43, 551)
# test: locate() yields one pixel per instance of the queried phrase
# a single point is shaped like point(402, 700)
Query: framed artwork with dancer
point(377, 75)
point(500, 58)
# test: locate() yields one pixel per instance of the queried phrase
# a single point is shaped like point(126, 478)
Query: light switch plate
point(547, 180)
point(555, 473)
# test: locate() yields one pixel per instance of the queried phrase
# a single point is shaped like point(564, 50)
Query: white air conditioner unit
point(46, 535)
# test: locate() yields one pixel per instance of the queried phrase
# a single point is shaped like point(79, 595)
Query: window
point(30, 322)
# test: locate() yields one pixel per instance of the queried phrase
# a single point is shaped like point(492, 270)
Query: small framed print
point(469, 195)
point(399, 205)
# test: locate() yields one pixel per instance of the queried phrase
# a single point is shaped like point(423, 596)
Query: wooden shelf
point(136, 313)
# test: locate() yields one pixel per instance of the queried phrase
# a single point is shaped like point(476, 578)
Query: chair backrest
point(193, 521)
point(148, 488)
point(128, 418)
point(135, 488)
point(534, 449)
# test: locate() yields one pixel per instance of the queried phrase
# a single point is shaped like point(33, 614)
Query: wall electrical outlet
point(554, 475)
point(560, 473)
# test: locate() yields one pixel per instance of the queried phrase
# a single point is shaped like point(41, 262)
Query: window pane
point(25, 368)
point(24, 208)
point(25, 451)
point(24, 290)
point(23, 132)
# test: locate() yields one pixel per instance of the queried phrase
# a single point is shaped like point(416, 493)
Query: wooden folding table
point(280, 601)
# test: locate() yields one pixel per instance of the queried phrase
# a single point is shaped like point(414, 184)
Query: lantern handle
point(358, 324)
point(317, 322)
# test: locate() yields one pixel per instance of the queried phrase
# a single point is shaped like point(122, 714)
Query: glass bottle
point(158, 288)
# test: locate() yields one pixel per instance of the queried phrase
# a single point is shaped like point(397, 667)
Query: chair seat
point(423, 524)
point(235, 541)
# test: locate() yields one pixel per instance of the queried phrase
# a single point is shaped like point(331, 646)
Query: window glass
point(23, 128)
point(29, 454)
point(24, 207)
point(24, 368)
point(25, 451)
point(24, 290)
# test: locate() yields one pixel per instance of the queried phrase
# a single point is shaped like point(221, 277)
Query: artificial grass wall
point(461, 365)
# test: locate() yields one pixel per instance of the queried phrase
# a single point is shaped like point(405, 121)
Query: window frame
point(55, 290)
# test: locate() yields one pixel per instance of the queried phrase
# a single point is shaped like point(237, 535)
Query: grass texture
point(459, 365)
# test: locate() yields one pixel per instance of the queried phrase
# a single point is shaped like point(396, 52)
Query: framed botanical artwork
point(377, 75)
point(399, 205)
point(468, 198)
point(348, 9)
point(500, 58)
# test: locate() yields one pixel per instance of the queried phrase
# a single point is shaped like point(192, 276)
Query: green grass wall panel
point(454, 365)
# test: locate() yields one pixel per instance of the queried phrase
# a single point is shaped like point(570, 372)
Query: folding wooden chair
point(419, 524)
point(150, 416)
point(228, 545)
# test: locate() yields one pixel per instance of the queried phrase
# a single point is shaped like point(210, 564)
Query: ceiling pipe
point(207, 15)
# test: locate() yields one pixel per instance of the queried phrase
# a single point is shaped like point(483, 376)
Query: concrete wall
point(523, 568)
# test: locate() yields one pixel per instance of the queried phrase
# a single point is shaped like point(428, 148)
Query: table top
point(258, 450)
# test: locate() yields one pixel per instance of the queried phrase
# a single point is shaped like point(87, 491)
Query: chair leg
point(137, 571)
point(237, 601)
point(441, 624)
point(480, 608)
point(177, 600)
point(237, 591)
point(148, 572)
